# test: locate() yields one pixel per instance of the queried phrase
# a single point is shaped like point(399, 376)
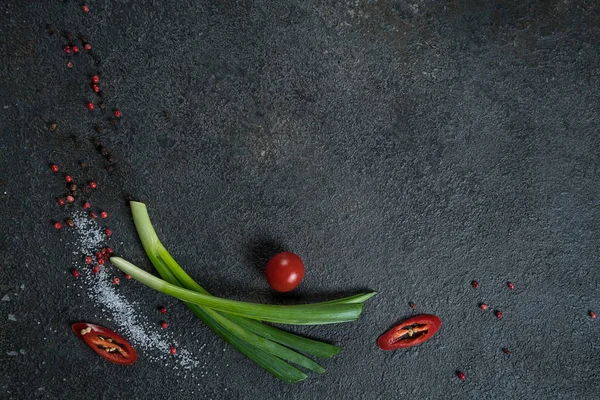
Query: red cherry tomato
point(105, 342)
point(284, 271)
point(409, 333)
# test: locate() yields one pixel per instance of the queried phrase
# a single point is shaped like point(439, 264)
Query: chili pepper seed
point(475, 284)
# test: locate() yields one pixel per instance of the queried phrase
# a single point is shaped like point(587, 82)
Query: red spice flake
point(93, 215)
point(460, 375)
point(75, 49)
point(163, 310)
point(173, 350)
point(510, 285)
point(96, 269)
point(104, 214)
point(75, 273)
point(60, 202)
point(498, 314)
point(116, 281)
point(117, 113)
point(87, 205)
point(70, 64)
point(90, 106)
point(475, 284)
point(164, 324)
point(89, 260)
point(57, 225)
point(483, 306)
point(412, 305)
point(108, 232)
point(506, 351)
point(67, 49)
point(54, 168)
point(70, 199)
point(68, 179)
point(87, 47)
point(101, 261)
point(592, 314)
point(93, 185)
point(85, 8)
point(95, 79)
point(96, 88)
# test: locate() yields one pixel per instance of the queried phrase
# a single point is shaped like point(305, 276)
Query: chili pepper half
point(105, 342)
point(410, 332)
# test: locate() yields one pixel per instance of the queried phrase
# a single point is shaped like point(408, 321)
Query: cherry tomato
point(410, 332)
point(105, 342)
point(284, 271)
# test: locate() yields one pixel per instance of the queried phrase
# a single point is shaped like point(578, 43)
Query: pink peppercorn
point(54, 168)
point(116, 281)
point(108, 232)
point(85, 8)
point(90, 106)
point(173, 350)
point(70, 199)
point(498, 314)
point(60, 202)
point(87, 47)
point(164, 324)
point(93, 185)
point(57, 225)
point(68, 179)
point(87, 205)
point(75, 273)
point(104, 214)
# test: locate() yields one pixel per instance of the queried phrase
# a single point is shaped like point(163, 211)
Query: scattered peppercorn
point(163, 310)
point(105, 151)
point(51, 29)
point(99, 129)
point(70, 199)
point(90, 106)
point(86, 205)
point(173, 350)
point(89, 260)
point(498, 314)
point(75, 273)
point(114, 121)
point(101, 104)
point(475, 284)
point(52, 127)
point(510, 285)
point(67, 49)
point(60, 202)
point(93, 185)
point(73, 187)
point(93, 215)
point(85, 8)
point(164, 324)
point(109, 168)
point(84, 39)
point(461, 375)
point(87, 47)
point(75, 49)
point(592, 314)
point(506, 351)
point(83, 164)
point(412, 305)
point(97, 60)
point(483, 306)
point(96, 269)
point(116, 281)
point(70, 223)
point(117, 113)
point(54, 168)
point(108, 232)
point(68, 179)
point(57, 225)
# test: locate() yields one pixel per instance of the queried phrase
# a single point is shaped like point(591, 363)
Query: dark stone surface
point(402, 146)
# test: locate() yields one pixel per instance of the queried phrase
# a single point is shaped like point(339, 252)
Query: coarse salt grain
point(132, 325)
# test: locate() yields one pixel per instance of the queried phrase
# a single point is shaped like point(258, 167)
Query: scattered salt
point(6, 298)
point(11, 317)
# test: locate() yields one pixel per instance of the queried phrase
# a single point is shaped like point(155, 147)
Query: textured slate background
point(402, 146)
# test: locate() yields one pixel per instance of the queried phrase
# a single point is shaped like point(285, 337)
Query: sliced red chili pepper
point(105, 342)
point(410, 332)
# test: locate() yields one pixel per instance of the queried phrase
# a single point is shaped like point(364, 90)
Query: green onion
point(238, 322)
